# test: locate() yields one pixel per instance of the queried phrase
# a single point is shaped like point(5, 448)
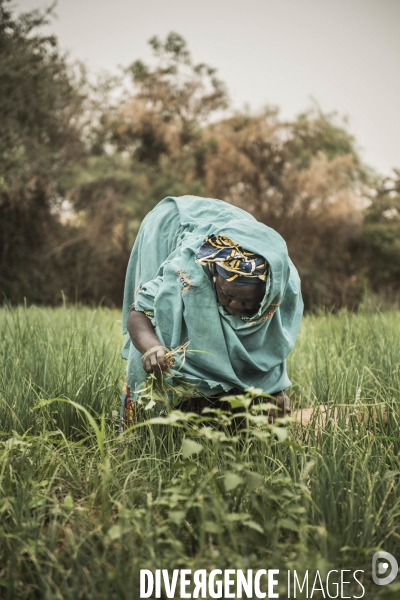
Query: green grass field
point(83, 510)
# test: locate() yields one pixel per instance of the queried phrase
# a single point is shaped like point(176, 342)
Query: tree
point(304, 179)
point(40, 110)
point(377, 249)
point(181, 94)
point(163, 131)
point(154, 134)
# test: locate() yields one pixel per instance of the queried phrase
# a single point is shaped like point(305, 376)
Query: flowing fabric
point(166, 283)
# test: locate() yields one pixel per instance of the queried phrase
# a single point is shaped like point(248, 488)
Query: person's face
point(239, 299)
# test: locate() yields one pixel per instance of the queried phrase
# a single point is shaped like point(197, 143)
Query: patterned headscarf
point(232, 262)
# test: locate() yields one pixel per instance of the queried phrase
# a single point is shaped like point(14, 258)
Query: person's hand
point(155, 361)
point(144, 339)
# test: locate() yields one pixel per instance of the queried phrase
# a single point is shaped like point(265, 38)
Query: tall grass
point(82, 510)
point(47, 353)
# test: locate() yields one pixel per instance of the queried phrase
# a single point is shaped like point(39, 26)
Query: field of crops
point(83, 510)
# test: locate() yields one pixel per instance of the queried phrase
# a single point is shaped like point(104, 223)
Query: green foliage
point(377, 250)
point(50, 354)
point(316, 131)
point(40, 136)
point(83, 509)
point(39, 103)
point(177, 88)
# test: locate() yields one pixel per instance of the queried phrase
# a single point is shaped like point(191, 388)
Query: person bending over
point(206, 272)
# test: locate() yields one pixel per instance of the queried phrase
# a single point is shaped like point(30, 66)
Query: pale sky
point(343, 53)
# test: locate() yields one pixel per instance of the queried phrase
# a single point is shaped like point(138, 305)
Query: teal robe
point(164, 281)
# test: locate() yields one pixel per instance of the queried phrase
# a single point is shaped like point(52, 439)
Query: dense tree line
point(80, 166)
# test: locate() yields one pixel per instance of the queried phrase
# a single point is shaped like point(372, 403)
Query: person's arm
point(143, 338)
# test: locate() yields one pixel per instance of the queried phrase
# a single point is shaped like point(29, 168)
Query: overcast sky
point(343, 53)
